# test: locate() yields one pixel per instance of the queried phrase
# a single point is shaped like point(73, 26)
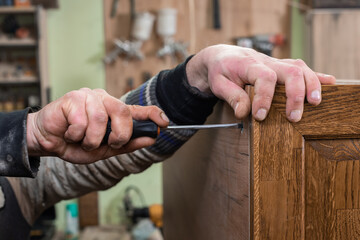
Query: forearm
point(58, 180)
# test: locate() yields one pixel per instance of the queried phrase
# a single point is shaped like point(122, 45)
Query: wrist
point(32, 143)
point(197, 73)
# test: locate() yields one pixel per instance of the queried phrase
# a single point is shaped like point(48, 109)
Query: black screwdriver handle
point(140, 129)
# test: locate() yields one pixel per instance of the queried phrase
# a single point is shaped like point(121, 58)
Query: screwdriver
point(150, 129)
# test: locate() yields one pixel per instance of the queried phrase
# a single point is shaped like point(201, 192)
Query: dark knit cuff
point(182, 103)
point(14, 159)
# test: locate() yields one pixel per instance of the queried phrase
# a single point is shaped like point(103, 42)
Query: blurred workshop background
point(50, 47)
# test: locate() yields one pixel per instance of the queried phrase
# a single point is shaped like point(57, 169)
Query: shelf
point(5, 42)
point(19, 81)
point(5, 10)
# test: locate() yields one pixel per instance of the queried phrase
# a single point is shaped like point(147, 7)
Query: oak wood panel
point(238, 17)
point(331, 186)
point(277, 188)
point(345, 222)
point(338, 150)
point(338, 115)
point(302, 183)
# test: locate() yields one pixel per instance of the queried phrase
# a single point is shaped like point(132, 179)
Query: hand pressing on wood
point(74, 126)
point(224, 70)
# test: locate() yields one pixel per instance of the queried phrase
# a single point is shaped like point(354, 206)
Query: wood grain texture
point(338, 115)
point(338, 150)
point(239, 18)
point(331, 186)
point(206, 185)
point(277, 184)
point(346, 224)
point(302, 183)
point(333, 42)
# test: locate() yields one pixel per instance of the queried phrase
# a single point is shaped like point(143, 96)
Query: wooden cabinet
point(273, 180)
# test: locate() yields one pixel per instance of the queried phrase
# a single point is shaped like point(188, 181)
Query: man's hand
point(225, 70)
point(73, 127)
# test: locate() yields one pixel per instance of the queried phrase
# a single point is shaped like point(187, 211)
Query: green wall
point(76, 47)
point(297, 33)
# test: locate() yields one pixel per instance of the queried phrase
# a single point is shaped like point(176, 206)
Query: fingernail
point(261, 114)
point(324, 75)
point(164, 117)
point(295, 115)
point(315, 95)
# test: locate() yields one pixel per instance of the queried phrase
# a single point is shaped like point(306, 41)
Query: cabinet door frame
point(285, 184)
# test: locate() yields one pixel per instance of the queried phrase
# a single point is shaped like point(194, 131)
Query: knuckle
point(272, 76)
point(72, 94)
point(91, 144)
point(248, 60)
point(264, 99)
point(297, 96)
point(121, 138)
point(100, 117)
point(299, 62)
point(85, 89)
point(100, 90)
point(294, 71)
point(154, 108)
point(124, 110)
point(269, 75)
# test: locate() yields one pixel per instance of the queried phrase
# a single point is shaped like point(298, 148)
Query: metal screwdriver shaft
point(150, 129)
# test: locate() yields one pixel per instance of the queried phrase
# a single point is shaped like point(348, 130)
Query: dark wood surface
point(89, 210)
point(276, 180)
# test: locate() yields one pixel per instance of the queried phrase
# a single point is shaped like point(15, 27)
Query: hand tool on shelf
point(216, 14)
point(150, 129)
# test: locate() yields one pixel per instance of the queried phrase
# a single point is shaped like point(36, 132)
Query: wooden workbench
point(275, 179)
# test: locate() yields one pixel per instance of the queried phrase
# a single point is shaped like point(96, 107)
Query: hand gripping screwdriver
point(149, 129)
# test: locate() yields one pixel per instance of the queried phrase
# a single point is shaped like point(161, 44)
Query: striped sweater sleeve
point(182, 103)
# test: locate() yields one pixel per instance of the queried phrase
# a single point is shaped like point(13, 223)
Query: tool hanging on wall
point(216, 14)
point(115, 5)
point(263, 43)
point(141, 30)
point(166, 28)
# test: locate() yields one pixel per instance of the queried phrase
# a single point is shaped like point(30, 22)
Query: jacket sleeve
point(14, 159)
point(58, 180)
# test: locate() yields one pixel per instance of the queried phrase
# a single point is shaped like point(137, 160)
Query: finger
point(326, 79)
point(137, 143)
point(312, 83)
point(233, 94)
point(97, 120)
point(75, 112)
point(75, 154)
point(121, 121)
point(149, 112)
point(293, 78)
point(264, 81)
